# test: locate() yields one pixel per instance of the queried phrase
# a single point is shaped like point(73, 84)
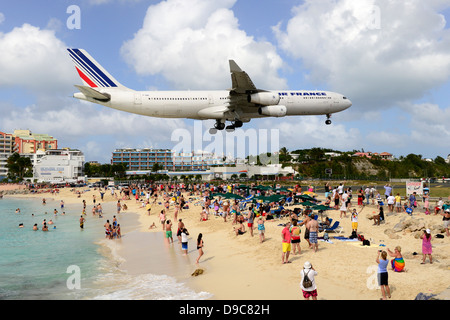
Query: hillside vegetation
point(314, 163)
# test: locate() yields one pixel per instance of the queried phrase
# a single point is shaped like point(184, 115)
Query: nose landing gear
point(328, 121)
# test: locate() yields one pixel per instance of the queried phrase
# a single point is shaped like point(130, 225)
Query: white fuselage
point(204, 105)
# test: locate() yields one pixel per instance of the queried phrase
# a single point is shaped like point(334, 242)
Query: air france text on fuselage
point(302, 93)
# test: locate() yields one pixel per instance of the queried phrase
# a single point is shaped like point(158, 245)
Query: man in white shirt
point(340, 189)
point(391, 202)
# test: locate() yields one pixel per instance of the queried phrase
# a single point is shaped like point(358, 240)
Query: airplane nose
point(349, 103)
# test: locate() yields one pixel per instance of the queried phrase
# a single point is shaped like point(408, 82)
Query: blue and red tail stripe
point(89, 71)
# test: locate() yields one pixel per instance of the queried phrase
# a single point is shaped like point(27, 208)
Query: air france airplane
point(239, 104)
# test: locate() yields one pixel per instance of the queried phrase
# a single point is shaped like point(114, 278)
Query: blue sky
point(391, 59)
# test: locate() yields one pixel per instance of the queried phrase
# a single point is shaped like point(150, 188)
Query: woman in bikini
point(200, 245)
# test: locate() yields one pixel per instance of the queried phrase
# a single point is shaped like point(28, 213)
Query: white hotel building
point(56, 166)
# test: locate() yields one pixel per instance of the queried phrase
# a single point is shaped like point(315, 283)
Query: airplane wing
point(92, 93)
point(242, 87)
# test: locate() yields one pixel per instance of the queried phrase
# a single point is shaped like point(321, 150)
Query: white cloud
point(2, 18)
point(189, 42)
point(430, 124)
point(376, 52)
point(35, 60)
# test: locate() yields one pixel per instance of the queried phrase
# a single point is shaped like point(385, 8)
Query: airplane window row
point(177, 98)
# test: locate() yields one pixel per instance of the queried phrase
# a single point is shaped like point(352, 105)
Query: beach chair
point(335, 228)
point(321, 226)
point(290, 201)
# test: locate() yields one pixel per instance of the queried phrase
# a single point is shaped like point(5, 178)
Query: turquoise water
point(39, 265)
point(34, 264)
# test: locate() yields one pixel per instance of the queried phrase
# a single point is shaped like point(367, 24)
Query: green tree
point(18, 166)
point(118, 170)
point(156, 167)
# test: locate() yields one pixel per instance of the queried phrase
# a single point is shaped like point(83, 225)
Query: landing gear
point(234, 125)
point(328, 121)
point(237, 124)
point(219, 125)
point(230, 128)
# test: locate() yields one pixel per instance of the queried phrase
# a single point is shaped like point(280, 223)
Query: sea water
point(68, 262)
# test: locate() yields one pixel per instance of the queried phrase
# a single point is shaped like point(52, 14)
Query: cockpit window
point(344, 97)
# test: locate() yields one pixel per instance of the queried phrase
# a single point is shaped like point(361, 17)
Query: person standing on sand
point(305, 222)
point(286, 243)
point(295, 237)
point(426, 245)
point(250, 218)
point(200, 245)
point(261, 229)
point(383, 274)
point(184, 240)
point(310, 272)
point(119, 206)
point(313, 227)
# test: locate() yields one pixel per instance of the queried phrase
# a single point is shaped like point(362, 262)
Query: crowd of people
point(249, 217)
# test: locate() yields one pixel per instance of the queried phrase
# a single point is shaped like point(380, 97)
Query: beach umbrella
point(228, 195)
point(305, 197)
point(320, 207)
point(272, 198)
point(261, 187)
point(307, 203)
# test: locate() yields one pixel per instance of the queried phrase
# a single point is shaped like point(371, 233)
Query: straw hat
point(428, 231)
point(307, 265)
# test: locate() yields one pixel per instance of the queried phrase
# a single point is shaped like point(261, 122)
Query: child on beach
point(261, 229)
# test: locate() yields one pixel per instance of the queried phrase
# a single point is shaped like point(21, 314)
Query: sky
point(390, 58)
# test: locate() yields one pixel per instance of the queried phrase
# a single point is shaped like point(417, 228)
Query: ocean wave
point(122, 286)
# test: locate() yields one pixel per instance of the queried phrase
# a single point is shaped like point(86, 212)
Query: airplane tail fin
point(90, 71)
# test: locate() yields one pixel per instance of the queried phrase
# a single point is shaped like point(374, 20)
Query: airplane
point(237, 105)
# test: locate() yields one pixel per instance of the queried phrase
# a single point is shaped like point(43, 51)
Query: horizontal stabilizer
point(94, 94)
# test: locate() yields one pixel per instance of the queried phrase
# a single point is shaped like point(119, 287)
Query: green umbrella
point(307, 203)
point(261, 187)
point(272, 198)
point(228, 195)
point(320, 207)
point(305, 197)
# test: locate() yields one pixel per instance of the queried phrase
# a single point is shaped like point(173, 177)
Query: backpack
point(307, 283)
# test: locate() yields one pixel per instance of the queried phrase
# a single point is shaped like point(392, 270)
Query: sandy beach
point(242, 268)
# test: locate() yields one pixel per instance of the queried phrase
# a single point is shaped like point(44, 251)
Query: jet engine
point(264, 98)
point(273, 111)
